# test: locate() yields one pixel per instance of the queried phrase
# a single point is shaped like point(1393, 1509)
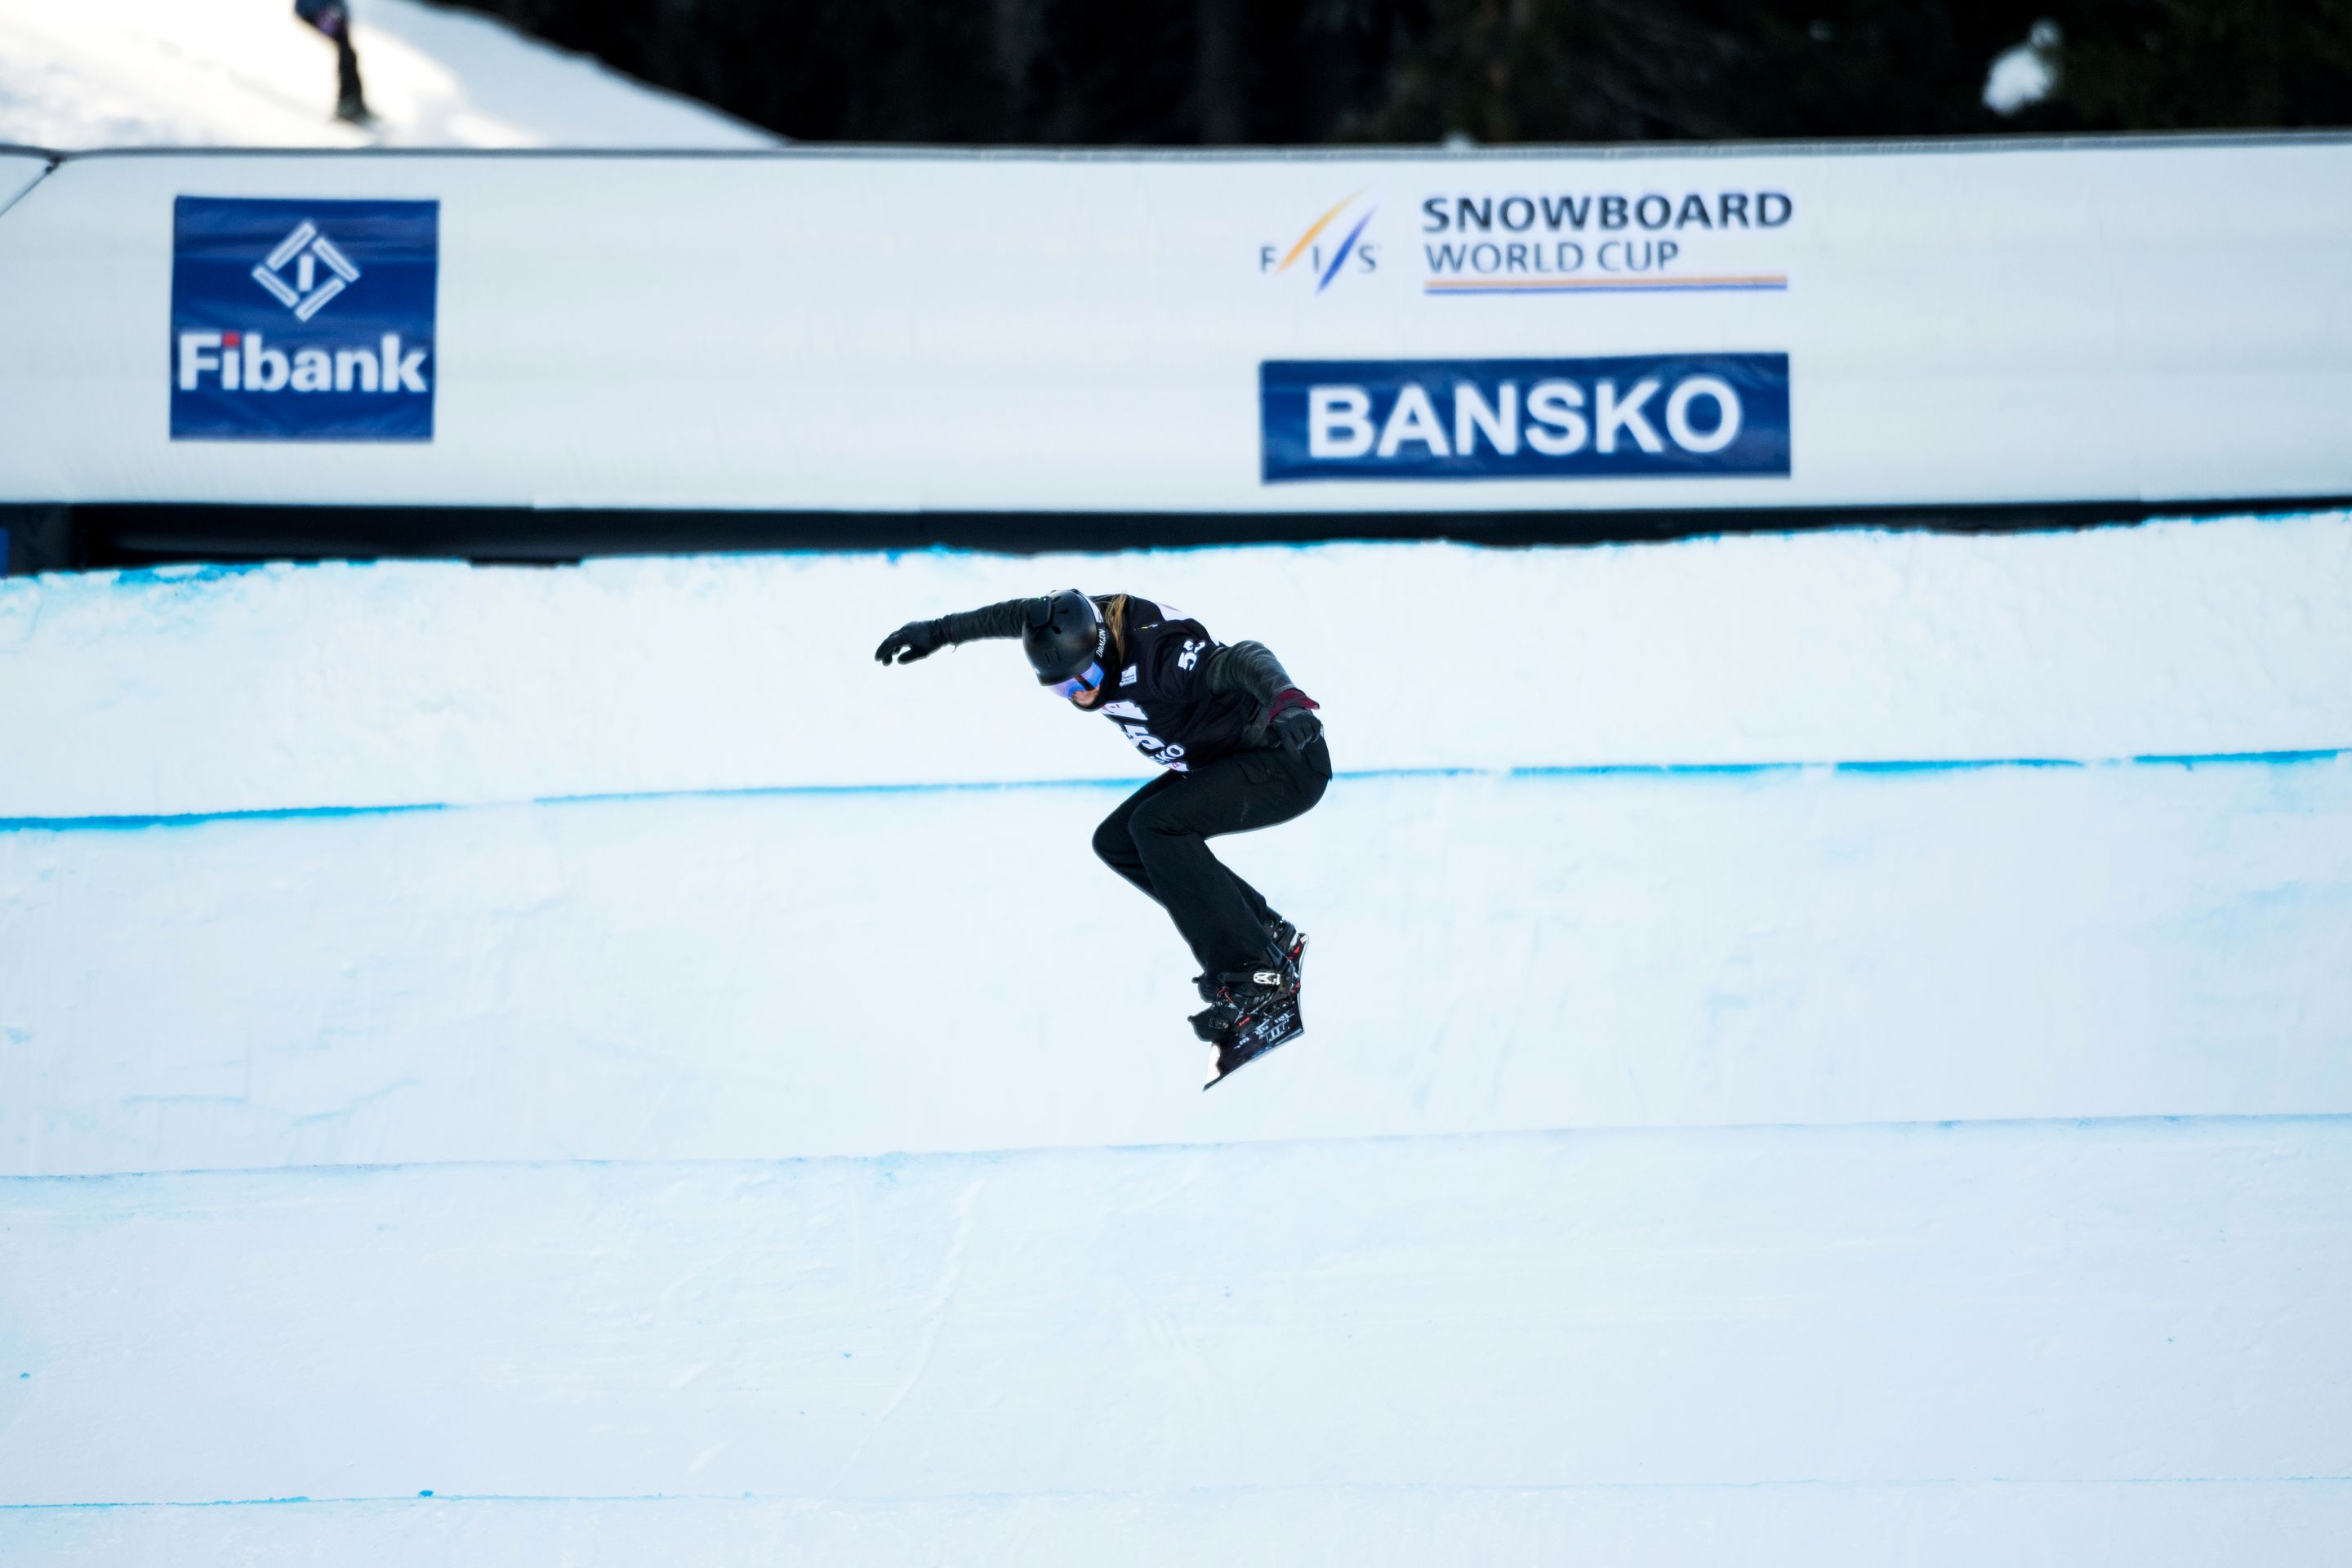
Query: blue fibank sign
point(303, 320)
point(1636, 416)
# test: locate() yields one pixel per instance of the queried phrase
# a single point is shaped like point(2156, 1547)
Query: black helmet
point(1065, 633)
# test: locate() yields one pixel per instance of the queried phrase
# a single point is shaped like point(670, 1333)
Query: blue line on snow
point(1562, 771)
point(1909, 1483)
point(194, 818)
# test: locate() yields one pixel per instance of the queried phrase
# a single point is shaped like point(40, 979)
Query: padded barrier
point(838, 331)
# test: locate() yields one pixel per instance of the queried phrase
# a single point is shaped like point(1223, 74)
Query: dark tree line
point(1193, 72)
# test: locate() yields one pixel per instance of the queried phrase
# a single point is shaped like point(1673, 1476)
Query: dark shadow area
point(55, 538)
point(1180, 73)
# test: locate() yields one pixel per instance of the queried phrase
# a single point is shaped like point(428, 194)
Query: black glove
point(1291, 718)
point(916, 639)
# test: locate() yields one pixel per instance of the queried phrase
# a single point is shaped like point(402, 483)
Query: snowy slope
point(1764, 1307)
point(738, 978)
point(198, 691)
point(77, 74)
point(1650, 855)
point(746, 1166)
point(1921, 1524)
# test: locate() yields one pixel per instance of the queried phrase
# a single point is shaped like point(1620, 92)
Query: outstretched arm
point(1250, 667)
point(919, 639)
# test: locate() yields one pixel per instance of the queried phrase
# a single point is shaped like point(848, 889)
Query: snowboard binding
point(1252, 1012)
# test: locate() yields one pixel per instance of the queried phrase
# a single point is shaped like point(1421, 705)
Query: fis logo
point(1329, 245)
point(303, 320)
point(1641, 416)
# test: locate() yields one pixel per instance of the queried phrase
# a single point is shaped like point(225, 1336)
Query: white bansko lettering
point(1414, 419)
point(1556, 417)
point(1610, 415)
point(1557, 428)
point(1726, 414)
point(1499, 420)
point(1338, 422)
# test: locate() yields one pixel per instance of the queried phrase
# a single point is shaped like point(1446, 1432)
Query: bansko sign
point(303, 320)
point(1688, 415)
point(1703, 411)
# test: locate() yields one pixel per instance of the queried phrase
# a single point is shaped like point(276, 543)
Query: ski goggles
point(1086, 679)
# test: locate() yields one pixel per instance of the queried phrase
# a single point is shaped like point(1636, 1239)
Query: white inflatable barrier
point(2148, 319)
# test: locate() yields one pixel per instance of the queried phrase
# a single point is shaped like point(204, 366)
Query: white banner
point(2166, 321)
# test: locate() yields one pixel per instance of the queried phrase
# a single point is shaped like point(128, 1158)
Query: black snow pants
point(1158, 837)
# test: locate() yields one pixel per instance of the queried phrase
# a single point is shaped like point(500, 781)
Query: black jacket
point(1179, 694)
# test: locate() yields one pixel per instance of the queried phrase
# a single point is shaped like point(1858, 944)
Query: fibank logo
point(303, 320)
point(1635, 415)
point(1329, 245)
point(308, 294)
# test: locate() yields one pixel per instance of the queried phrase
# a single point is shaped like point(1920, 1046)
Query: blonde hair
point(1114, 615)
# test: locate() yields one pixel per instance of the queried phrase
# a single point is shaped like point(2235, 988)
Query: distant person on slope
point(333, 19)
point(1243, 749)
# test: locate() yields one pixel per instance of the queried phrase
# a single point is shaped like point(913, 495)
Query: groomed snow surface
point(1831, 1049)
point(82, 74)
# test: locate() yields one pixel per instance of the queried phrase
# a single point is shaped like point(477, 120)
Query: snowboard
point(1277, 1023)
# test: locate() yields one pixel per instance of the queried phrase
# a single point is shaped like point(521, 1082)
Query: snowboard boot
point(1290, 944)
point(1286, 949)
point(1251, 1013)
point(1232, 997)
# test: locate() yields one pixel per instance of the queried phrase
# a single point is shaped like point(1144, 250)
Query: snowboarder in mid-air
point(1243, 749)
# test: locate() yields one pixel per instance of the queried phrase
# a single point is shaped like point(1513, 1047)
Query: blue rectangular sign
point(1694, 415)
point(303, 320)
